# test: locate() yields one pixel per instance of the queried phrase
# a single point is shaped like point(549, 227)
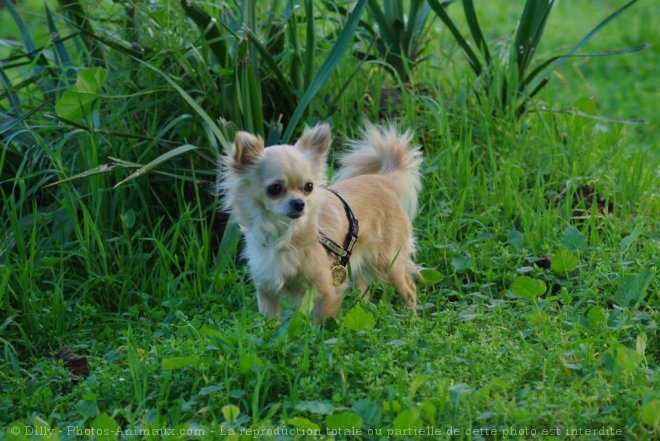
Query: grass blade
point(310, 43)
point(159, 160)
point(13, 98)
point(296, 60)
point(532, 85)
point(416, 25)
point(285, 86)
point(248, 93)
point(383, 25)
point(5, 125)
point(103, 168)
point(196, 107)
point(475, 29)
point(530, 30)
point(327, 67)
point(27, 39)
point(211, 31)
point(60, 49)
point(228, 245)
point(77, 13)
point(119, 46)
point(549, 61)
point(472, 57)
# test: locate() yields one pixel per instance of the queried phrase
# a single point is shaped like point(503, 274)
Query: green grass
point(134, 277)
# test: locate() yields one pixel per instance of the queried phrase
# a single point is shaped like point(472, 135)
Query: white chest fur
point(272, 265)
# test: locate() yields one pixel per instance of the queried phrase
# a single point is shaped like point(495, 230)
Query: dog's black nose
point(297, 206)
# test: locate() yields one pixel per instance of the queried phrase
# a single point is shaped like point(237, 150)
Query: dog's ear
point(247, 149)
point(316, 140)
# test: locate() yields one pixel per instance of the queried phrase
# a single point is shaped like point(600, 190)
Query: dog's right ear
point(247, 149)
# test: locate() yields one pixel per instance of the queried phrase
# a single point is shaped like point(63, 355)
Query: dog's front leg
point(268, 302)
point(327, 301)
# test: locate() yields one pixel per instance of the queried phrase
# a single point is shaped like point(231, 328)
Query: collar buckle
point(341, 253)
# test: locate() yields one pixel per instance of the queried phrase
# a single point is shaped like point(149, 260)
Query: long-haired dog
point(301, 233)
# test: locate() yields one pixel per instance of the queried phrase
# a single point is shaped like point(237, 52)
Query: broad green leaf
point(586, 104)
point(106, 427)
point(79, 100)
point(297, 325)
point(630, 239)
point(460, 262)
point(16, 431)
point(209, 390)
point(39, 425)
point(633, 289)
point(87, 408)
point(573, 240)
point(458, 390)
point(231, 413)
point(515, 239)
point(174, 363)
point(640, 344)
point(429, 276)
point(302, 423)
point(407, 419)
point(417, 382)
point(358, 319)
point(649, 413)
point(345, 421)
point(621, 360)
point(564, 262)
point(369, 412)
point(597, 317)
point(249, 361)
point(429, 409)
point(317, 407)
point(527, 287)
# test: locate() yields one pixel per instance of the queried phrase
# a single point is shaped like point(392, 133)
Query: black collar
point(343, 254)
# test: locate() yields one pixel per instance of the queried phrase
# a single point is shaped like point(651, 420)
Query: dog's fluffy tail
point(385, 151)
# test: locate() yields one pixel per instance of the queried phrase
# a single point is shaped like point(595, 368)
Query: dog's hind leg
point(401, 280)
point(360, 284)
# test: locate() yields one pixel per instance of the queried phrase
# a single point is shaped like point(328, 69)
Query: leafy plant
point(259, 93)
point(517, 81)
point(400, 37)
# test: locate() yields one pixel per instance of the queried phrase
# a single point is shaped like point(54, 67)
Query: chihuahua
point(301, 233)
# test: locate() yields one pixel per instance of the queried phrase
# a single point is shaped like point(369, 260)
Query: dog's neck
point(273, 232)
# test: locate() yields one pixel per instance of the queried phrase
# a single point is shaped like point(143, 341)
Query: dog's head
point(280, 182)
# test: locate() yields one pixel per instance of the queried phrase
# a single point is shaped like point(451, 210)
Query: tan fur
point(284, 254)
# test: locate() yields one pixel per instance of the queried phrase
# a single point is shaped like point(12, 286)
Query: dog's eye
point(309, 187)
point(274, 189)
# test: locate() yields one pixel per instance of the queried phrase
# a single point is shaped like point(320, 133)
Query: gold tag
point(338, 274)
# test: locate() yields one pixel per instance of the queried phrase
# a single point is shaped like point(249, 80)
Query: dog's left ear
point(316, 140)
